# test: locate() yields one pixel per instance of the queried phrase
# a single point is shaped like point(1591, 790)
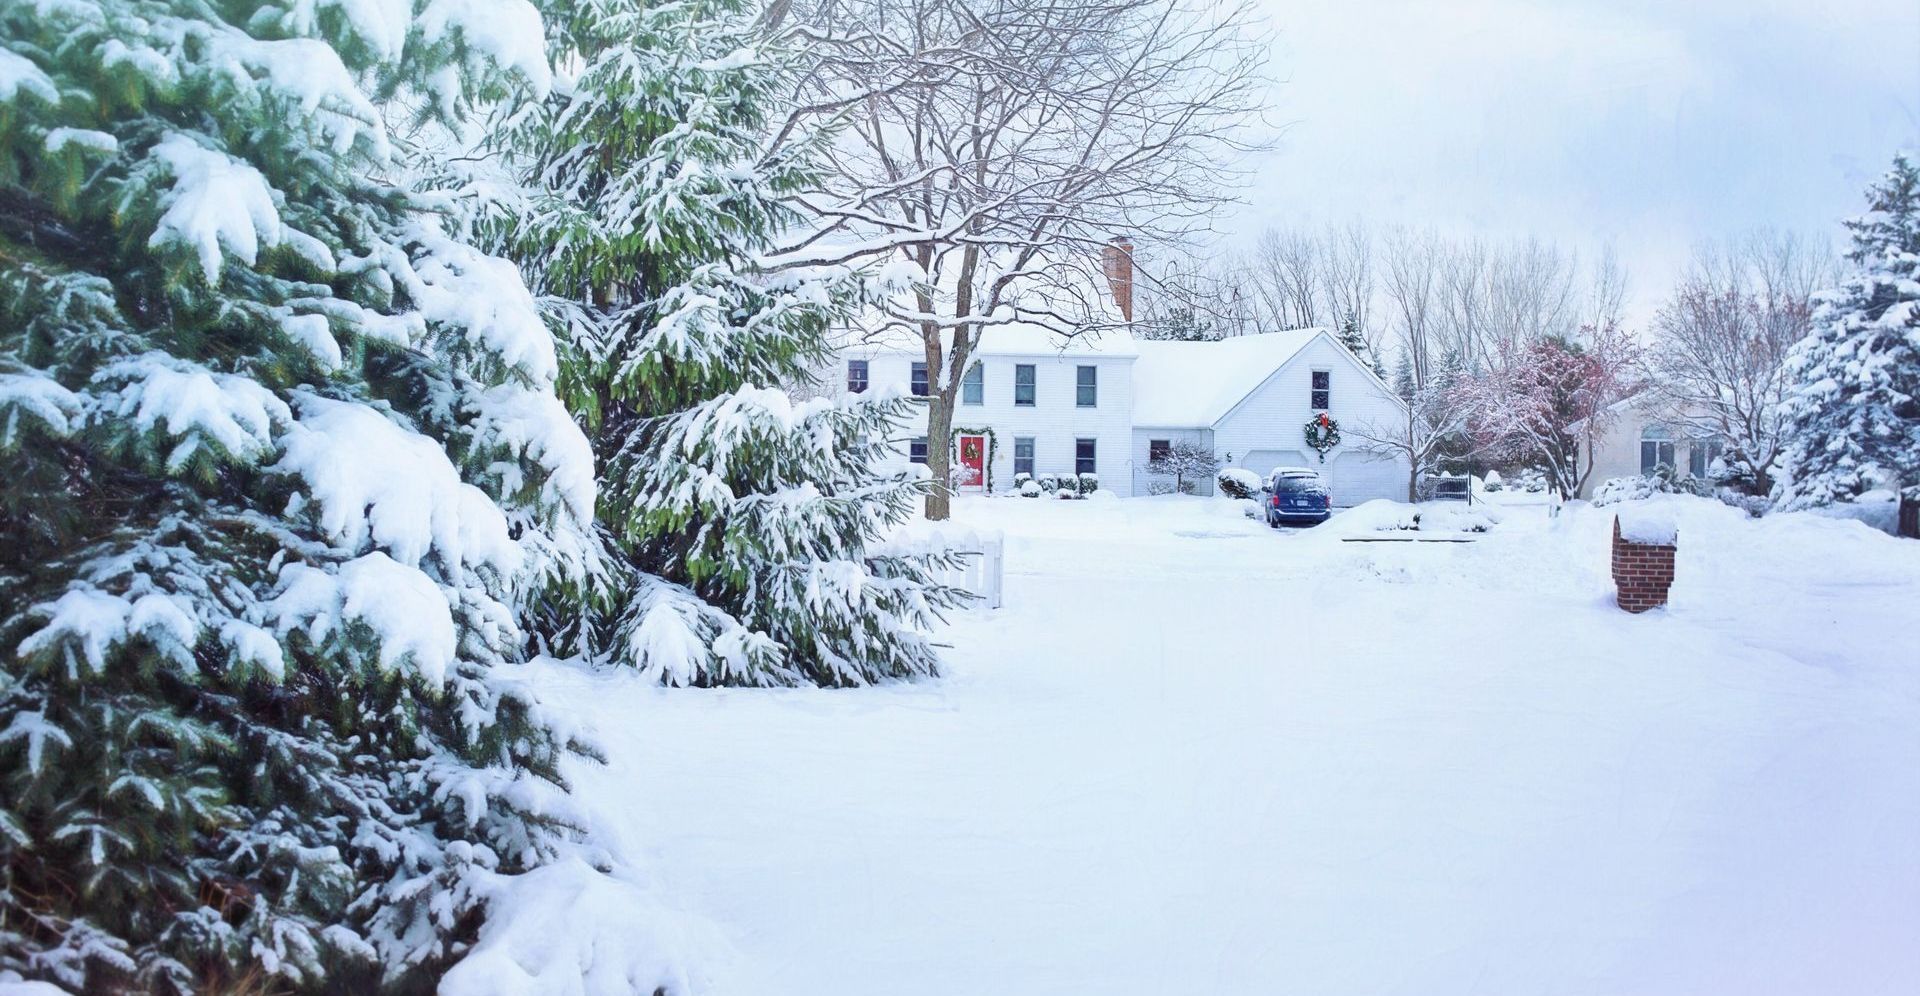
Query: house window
point(1086, 387)
point(920, 380)
point(973, 387)
point(1656, 451)
point(1322, 390)
point(917, 450)
point(1083, 462)
point(1023, 385)
point(1701, 454)
point(1023, 455)
point(1157, 449)
point(857, 376)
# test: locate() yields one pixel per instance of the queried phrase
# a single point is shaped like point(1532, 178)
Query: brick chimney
point(1116, 261)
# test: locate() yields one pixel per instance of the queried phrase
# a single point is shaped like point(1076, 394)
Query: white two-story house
point(1030, 403)
point(1036, 403)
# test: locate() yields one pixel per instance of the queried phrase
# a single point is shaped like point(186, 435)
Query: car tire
point(1273, 521)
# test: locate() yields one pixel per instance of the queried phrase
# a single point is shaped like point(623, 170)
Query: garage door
point(1361, 477)
point(1262, 462)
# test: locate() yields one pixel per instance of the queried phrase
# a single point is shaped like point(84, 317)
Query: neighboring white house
point(1036, 403)
point(1645, 437)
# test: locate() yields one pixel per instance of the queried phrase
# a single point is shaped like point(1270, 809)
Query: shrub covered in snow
point(1621, 489)
point(1089, 483)
point(1237, 482)
point(1492, 481)
point(1030, 488)
point(1021, 479)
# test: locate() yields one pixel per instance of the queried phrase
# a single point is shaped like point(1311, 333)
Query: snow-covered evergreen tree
point(1355, 340)
point(743, 524)
point(1854, 412)
point(279, 456)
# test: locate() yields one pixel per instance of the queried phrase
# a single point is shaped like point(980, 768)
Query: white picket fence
point(984, 569)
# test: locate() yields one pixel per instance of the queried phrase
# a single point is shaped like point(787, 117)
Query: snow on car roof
point(1196, 383)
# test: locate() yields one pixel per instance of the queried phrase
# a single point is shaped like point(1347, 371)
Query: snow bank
point(1876, 509)
point(1386, 515)
point(568, 929)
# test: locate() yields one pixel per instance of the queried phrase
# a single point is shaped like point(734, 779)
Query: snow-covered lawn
point(1195, 756)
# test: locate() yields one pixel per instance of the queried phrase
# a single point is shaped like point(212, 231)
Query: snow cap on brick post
point(1643, 546)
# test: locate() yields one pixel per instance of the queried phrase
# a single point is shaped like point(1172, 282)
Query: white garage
point(1255, 395)
point(1357, 477)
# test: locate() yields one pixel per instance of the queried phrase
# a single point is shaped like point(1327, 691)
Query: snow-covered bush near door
point(1030, 489)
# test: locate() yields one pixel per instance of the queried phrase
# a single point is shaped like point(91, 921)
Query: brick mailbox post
point(1643, 564)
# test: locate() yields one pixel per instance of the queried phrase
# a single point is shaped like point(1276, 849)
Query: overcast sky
point(1649, 125)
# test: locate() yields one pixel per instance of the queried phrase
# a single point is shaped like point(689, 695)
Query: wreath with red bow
point(1323, 434)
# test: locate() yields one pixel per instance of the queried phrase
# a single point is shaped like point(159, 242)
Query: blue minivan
point(1297, 496)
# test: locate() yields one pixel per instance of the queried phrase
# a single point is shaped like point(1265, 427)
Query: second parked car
point(1296, 496)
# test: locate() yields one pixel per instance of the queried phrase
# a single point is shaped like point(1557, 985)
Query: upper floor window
point(1083, 451)
point(1656, 450)
point(857, 376)
point(917, 450)
point(973, 387)
point(1322, 390)
point(1086, 387)
point(1158, 449)
point(920, 380)
point(1023, 455)
point(1023, 392)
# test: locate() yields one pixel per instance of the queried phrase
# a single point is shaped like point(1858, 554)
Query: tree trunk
point(939, 446)
point(1909, 519)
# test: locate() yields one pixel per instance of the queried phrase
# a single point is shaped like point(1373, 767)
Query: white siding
point(1142, 440)
point(1272, 419)
point(1055, 422)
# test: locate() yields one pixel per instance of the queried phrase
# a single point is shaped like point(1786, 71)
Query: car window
point(1295, 484)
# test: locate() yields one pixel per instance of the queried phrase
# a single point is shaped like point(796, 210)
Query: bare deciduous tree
point(994, 148)
point(1719, 343)
point(1434, 424)
point(1188, 463)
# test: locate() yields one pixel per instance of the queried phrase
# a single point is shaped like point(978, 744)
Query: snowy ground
point(1192, 755)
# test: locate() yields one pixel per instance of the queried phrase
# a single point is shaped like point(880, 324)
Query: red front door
point(973, 462)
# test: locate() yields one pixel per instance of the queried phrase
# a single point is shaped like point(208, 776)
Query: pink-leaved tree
point(1548, 400)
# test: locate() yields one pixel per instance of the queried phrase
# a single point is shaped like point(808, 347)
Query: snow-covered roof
point(1056, 295)
point(1196, 383)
